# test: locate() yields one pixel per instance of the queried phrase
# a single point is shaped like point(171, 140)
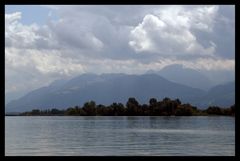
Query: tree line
point(166, 107)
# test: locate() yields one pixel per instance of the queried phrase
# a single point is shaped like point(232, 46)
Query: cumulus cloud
point(169, 31)
point(12, 18)
point(55, 35)
point(77, 35)
point(203, 17)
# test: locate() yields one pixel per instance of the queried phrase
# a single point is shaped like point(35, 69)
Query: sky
point(44, 43)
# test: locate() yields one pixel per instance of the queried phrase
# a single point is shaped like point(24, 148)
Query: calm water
point(96, 135)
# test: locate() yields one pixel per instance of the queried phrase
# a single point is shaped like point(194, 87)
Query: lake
point(119, 136)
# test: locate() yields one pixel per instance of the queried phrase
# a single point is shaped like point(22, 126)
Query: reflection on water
point(119, 135)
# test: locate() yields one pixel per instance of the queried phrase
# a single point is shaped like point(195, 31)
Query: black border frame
point(119, 2)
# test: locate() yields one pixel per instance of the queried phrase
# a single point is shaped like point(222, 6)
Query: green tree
point(132, 107)
point(90, 108)
point(35, 112)
point(118, 109)
point(71, 111)
point(184, 110)
point(214, 110)
point(55, 111)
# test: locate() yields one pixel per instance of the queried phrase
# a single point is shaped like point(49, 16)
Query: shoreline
point(165, 107)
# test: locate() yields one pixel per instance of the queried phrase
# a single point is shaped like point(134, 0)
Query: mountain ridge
point(105, 89)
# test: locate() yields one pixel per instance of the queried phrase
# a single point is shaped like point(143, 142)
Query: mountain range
point(108, 88)
point(204, 80)
point(190, 77)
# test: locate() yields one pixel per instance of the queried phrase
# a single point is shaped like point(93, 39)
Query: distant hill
point(220, 95)
point(104, 89)
point(186, 76)
point(9, 96)
point(108, 88)
point(219, 76)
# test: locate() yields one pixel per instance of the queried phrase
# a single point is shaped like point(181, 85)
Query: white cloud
point(45, 62)
point(169, 31)
point(48, 63)
point(136, 67)
point(12, 18)
point(32, 36)
point(203, 17)
point(212, 64)
point(57, 35)
point(71, 33)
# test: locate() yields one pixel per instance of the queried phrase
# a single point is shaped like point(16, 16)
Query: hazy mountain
point(219, 77)
point(13, 96)
point(186, 76)
point(10, 96)
point(221, 95)
point(104, 89)
point(108, 88)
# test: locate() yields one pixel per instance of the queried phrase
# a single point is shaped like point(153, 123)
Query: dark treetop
point(166, 107)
